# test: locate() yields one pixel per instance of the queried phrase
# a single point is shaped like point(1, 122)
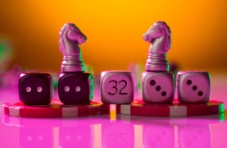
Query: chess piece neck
point(157, 62)
point(72, 63)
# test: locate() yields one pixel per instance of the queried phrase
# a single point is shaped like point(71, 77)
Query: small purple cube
point(193, 86)
point(158, 87)
point(117, 87)
point(35, 88)
point(76, 88)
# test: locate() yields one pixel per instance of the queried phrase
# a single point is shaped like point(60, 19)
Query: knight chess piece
point(157, 80)
point(70, 39)
point(74, 85)
point(159, 37)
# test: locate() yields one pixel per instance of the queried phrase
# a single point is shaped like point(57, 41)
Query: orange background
point(114, 30)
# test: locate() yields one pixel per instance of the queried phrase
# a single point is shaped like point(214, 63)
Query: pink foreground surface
point(116, 131)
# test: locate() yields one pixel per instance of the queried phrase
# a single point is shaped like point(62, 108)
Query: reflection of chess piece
point(70, 39)
point(159, 37)
point(157, 81)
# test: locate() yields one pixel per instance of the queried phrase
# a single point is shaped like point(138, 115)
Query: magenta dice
point(193, 86)
point(158, 87)
point(117, 87)
point(76, 88)
point(35, 88)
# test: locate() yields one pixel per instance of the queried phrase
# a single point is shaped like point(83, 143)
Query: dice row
point(117, 87)
point(157, 87)
point(73, 88)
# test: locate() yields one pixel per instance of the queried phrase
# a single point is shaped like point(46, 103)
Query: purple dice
point(117, 87)
point(193, 87)
point(157, 87)
point(76, 88)
point(35, 88)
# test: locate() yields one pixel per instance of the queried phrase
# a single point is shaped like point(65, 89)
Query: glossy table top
point(116, 130)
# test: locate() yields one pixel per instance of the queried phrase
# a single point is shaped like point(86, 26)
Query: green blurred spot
point(222, 112)
point(222, 117)
point(92, 86)
point(2, 50)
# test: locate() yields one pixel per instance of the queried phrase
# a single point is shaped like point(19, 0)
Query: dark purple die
point(35, 88)
point(76, 88)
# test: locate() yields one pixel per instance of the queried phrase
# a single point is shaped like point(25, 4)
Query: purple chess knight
point(70, 39)
point(157, 81)
point(159, 37)
point(74, 85)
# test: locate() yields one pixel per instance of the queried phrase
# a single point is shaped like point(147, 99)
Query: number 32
point(116, 89)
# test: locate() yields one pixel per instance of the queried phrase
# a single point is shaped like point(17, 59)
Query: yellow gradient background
point(114, 30)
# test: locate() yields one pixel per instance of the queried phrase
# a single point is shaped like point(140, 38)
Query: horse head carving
point(70, 39)
point(159, 35)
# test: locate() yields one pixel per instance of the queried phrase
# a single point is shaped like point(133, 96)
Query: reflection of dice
point(193, 87)
point(75, 88)
point(196, 136)
point(157, 87)
point(117, 135)
point(36, 137)
point(117, 87)
point(35, 88)
point(158, 136)
point(78, 136)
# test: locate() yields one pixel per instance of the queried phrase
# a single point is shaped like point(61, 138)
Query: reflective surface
point(115, 130)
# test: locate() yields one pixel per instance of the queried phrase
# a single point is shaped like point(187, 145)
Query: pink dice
point(193, 87)
point(117, 87)
point(157, 87)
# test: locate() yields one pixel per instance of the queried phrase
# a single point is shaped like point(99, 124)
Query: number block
point(117, 87)
point(157, 87)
